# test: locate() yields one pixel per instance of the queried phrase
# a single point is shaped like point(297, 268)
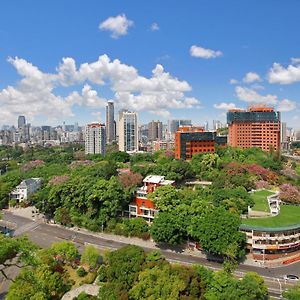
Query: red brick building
point(255, 127)
point(142, 206)
point(190, 140)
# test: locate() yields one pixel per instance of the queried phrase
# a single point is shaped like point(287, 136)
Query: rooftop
point(158, 179)
point(288, 218)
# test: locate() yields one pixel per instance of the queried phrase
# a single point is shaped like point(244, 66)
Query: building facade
point(95, 138)
point(25, 188)
point(21, 121)
point(155, 131)
point(190, 140)
point(110, 122)
point(255, 127)
point(142, 206)
point(128, 131)
point(267, 244)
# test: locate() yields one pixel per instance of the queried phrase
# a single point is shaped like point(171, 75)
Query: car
point(291, 277)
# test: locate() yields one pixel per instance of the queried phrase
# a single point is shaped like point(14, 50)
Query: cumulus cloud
point(154, 27)
point(201, 52)
point(286, 105)
point(35, 94)
point(118, 26)
point(282, 75)
point(295, 60)
point(233, 81)
point(251, 77)
point(225, 106)
point(253, 97)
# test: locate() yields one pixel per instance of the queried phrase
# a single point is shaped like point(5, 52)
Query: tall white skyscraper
point(128, 131)
point(110, 123)
point(95, 138)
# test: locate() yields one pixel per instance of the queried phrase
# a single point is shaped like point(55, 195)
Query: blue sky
point(231, 39)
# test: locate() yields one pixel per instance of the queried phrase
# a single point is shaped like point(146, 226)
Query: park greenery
point(94, 191)
point(128, 273)
point(46, 273)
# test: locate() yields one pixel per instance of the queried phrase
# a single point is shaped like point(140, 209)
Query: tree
point(168, 228)
point(253, 287)
point(292, 293)
point(90, 256)
point(165, 198)
point(217, 230)
point(289, 193)
point(157, 283)
point(130, 179)
point(136, 227)
point(40, 283)
point(67, 251)
point(222, 287)
point(124, 265)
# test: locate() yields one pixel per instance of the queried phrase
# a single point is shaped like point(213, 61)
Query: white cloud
point(282, 75)
point(197, 51)
point(225, 106)
point(154, 27)
point(286, 105)
point(233, 81)
point(295, 60)
point(257, 87)
point(252, 97)
point(118, 25)
point(36, 93)
point(251, 77)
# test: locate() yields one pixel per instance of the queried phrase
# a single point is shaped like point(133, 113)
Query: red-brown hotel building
point(254, 127)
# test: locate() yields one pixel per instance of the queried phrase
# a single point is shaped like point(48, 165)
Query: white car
point(291, 277)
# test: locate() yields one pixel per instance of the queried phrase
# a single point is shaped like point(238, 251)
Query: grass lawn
point(289, 215)
point(89, 278)
point(260, 200)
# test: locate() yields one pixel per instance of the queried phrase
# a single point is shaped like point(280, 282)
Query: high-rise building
point(155, 131)
point(190, 140)
point(21, 121)
point(217, 125)
point(283, 132)
point(46, 133)
point(255, 127)
point(95, 138)
point(174, 124)
point(110, 123)
point(128, 131)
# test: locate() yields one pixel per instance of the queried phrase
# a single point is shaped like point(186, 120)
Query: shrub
point(81, 272)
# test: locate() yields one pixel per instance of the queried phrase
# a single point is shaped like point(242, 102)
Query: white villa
point(25, 188)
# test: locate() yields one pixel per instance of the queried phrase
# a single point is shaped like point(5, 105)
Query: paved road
point(45, 234)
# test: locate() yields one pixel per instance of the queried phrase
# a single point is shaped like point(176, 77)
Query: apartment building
point(95, 138)
point(128, 131)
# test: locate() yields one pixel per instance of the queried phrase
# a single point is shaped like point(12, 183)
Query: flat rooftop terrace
point(288, 218)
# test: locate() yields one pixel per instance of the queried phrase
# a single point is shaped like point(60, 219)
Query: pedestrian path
point(90, 289)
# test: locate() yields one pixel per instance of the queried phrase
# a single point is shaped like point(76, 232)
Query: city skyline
point(137, 62)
